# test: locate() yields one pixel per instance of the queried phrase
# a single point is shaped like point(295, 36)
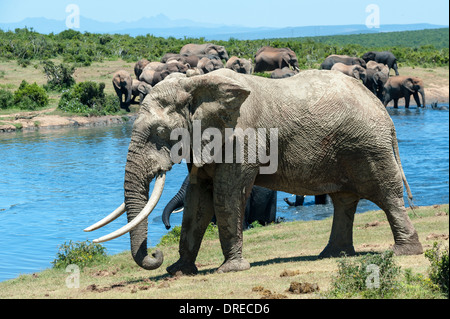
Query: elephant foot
point(182, 268)
point(334, 251)
point(409, 248)
point(234, 265)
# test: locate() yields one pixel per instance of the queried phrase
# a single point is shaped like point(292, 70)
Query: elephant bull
point(337, 139)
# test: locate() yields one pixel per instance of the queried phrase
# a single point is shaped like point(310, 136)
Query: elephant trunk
point(136, 186)
point(175, 203)
point(422, 93)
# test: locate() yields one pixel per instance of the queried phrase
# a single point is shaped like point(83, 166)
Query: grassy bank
point(279, 255)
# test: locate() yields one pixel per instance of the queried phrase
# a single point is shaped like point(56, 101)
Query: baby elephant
point(398, 87)
point(354, 71)
point(283, 73)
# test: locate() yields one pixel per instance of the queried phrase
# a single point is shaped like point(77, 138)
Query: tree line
point(426, 48)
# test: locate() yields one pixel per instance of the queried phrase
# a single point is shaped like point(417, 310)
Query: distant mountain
point(162, 26)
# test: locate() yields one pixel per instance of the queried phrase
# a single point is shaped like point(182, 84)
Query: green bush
point(30, 96)
point(81, 254)
point(89, 98)
point(439, 269)
point(59, 77)
point(6, 99)
point(369, 276)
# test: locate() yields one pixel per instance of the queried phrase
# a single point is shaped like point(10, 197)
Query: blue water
point(55, 183)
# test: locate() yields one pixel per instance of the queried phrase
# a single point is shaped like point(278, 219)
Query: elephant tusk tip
point(96, 241)
point(88, 229)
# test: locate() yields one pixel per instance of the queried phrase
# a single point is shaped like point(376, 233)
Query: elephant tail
point(399, 163)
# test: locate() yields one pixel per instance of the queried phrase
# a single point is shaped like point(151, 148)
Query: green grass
point(272, 250)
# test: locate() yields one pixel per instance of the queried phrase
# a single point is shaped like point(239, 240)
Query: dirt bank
point(44, 119)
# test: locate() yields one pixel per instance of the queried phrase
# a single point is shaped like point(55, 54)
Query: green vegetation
point(439, 270)
point(59, 77)
point(82, 254)
point(412, 48)
point(88, 98)
point(26, 97)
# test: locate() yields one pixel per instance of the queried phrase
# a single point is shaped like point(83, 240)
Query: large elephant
point(375, 81)
point(269, 59)
point(261, 205)
point(122, 84)
point(338, 139)
point(328, 63)
point(355, 71)
point(239, 65)
point(384, 57)
point(205, 49)
point(398, 87)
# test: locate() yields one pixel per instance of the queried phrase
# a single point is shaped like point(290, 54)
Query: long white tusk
point(119, 211)
point(154, 198)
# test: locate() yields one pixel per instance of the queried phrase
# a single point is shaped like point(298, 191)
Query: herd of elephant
point(373, 69)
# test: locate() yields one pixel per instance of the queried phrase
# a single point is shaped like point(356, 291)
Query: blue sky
point(252, 13)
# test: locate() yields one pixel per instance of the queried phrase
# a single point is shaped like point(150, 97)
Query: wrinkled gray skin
point(282, 73)
point(261, 205)
point(375, 81)
point(239, 65)
point(328, 63)
point(384, 57)
point(398, 87)
point(122, 84)
point(357, 157)
point(205, 49)
point(355, 71)
point(269, 59)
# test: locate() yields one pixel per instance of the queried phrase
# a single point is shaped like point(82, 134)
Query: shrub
point(439, 269)
point(80, 253)
point(30, 96)
point(89, 98)
point(6, 99)
point(371, 276)
point(59, 77)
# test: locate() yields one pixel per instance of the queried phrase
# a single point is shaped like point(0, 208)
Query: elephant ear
point(216, 100)
point(409, 84)
point(356, 74)
point(144, 88)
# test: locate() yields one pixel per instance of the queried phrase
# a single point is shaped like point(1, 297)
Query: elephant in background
point(261, 205)
point(300, 199)
point(354, 71)
point(140, 66)
point(208, 65)
point(205, 49)
point(328, 63)
point(269, 59)
point(384, 57)
point(152, 76)
point(192, 59)
point(375, 81)
point(378, 67)
point(141, 89)
point(334, 111)
point(122, 84)
point(398, 87)
point(282, 73)
point(239, 65)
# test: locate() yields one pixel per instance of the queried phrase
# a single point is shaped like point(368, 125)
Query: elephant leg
point(396, 103)
point(407, 99)
point(416, 98)
point(229, 206)
point(341, 237)
point(198, 212)
point(320, 199)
